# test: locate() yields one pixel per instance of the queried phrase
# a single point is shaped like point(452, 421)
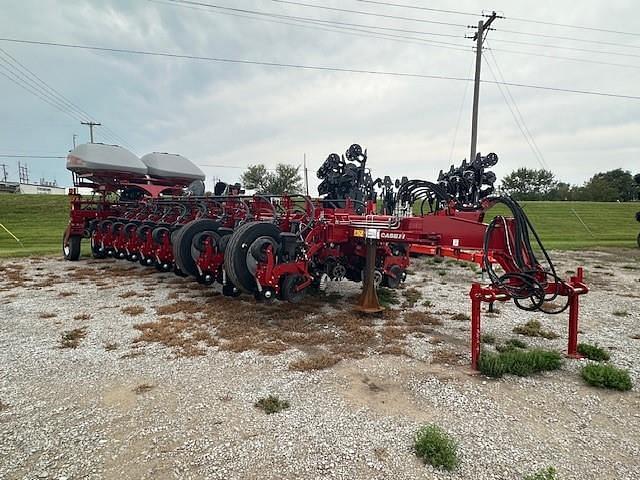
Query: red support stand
point(574, 309)
point(572, 289)
point(476, 300)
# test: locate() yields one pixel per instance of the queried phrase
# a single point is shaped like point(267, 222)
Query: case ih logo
point(392, 235)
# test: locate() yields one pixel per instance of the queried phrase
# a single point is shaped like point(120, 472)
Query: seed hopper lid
point(98, 157)
point(170, 165)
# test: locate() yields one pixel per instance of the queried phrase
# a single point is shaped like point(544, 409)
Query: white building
point(29, 189)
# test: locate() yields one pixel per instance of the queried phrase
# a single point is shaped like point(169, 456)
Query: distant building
point(31, 189)
point(9, 187)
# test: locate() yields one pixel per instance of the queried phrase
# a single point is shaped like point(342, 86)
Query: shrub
point(511, 344)
point(548, 473)
point(488, 338)
point(593, 352)
point(436, 447)
point(533, 328)
point(272, 404)
point(387, 297)
point(606, 376)
point(518, 362)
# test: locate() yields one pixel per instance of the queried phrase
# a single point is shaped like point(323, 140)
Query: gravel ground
point(119, 408)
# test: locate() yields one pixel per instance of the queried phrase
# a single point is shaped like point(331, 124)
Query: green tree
point(611, 186)
point(284, 179)
point(256, 177)
point(529, 184)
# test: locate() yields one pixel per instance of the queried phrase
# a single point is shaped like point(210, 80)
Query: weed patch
point(533, 328)
point(142, 388)
point(461, 317)
point(387, 297)
point(314, 362)
point(72, 338)
point(518, 362)
point(411, 295)
point(593, 352)
point(82, 316)
point(606, 376)
point(272, 404)
point(488, 338)
point(620, 313)
point(548, 473)
point(133, 310)
point(436, 447)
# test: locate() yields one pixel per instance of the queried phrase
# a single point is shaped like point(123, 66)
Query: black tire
point(71, 248)
point(235, 258)
point(288, 289)
point(117, 227)
point(183, 243)
point(130, 229)
point(639, 240)
point(223, 242)
point(143, 230)
point(104, 226)
point(199, 239)
point(157, 234)
point(395, 281)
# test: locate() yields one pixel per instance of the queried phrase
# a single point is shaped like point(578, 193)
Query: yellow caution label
point(358, 232)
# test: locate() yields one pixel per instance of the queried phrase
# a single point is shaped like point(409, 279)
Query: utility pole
point(306, 178)
point(479, 38)
point(4, 172)
point(91, 125)
point(74, 140)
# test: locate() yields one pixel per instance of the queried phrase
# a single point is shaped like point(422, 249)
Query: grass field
point(39, 221)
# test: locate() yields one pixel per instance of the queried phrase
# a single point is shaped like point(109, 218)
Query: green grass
point(548, 473)
point(612, 224)
point(518, 362)
point(37, 220)
point(593, 352)
point(606, 376)
point(436, 447)
point(272, 404)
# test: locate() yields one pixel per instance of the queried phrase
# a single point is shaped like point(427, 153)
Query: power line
point(24, 74)
point(519, 121)
point(566, 25)
point(526, 20)
point(344, 27)
point(574, 39)
point(372, 14)
point(570, 59)
point(310, 67)
point(416, 7)
point(575, 49)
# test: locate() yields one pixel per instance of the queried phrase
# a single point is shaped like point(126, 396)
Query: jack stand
point(368, 302)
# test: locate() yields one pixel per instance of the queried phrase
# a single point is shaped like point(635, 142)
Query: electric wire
point(515, 104)
point(516, 119)
point(22, 73)
point(312, 67)
point(517, 19)
point(372, 14)
point(344, 28)
point(462, 103)
point(307, 22)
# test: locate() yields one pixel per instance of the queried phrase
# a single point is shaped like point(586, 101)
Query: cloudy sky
point(238, 114)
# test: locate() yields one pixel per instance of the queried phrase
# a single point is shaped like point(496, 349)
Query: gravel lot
point(169, 392)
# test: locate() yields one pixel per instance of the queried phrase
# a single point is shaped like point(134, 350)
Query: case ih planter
point(280, 246)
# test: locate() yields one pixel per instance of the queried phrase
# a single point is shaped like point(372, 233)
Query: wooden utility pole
point(306, 178)
point(479, 38)
point(91, 125)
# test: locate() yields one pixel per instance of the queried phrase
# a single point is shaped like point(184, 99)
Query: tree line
point(612, 186)
point(522, 184)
